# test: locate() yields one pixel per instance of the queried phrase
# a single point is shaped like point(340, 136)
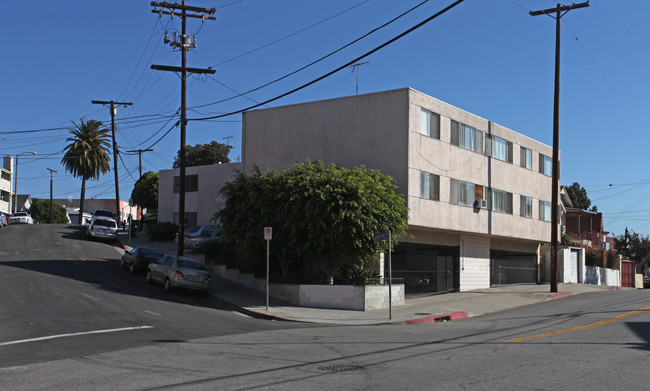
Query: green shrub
point(358, 274)
point(162, 232)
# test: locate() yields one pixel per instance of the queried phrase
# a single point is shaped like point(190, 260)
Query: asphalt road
point(595, 341)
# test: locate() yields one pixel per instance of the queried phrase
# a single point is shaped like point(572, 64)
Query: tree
point(40, 211)
point(145, 191)
point(322, 216)
point(85, 157)
point(633, 246)
point(204, 154)
point(579, 198)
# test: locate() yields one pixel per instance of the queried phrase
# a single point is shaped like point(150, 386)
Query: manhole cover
point(340, 368)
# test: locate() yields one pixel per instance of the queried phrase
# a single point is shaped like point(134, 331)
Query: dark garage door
point(512, 268)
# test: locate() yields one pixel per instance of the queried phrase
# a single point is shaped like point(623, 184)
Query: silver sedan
point(179, 272)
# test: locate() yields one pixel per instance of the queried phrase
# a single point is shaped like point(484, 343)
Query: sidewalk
point(443, 307)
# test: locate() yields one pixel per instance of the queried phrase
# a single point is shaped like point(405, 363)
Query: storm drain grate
point(340, 368)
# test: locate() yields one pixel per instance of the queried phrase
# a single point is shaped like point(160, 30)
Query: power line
point(417, 26)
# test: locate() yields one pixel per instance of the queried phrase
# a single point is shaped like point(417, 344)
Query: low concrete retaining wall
point(602, 276)
point(342, 297)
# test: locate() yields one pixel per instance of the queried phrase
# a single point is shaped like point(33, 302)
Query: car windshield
point(150, 251)
point(190, 265)
point(106, 213)
point(20, 214)
point(193, 229)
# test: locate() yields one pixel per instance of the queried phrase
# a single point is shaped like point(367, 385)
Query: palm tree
point(86, 155)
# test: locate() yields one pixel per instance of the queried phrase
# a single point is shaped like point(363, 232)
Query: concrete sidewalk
point(442, 307)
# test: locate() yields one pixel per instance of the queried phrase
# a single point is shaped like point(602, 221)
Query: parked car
point(208, 235)
point(102, 227)
point(179, 272)
point(105, 213)
point(3, 220)
point(21, 218)
point(193, 232)
point(139, 258)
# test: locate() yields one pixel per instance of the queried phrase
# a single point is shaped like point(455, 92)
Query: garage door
point(512, 268)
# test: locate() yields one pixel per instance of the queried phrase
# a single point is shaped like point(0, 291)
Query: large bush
point(322, 216)
point(162, 232)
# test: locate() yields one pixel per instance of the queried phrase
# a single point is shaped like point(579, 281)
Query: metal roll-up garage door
point(512, 268)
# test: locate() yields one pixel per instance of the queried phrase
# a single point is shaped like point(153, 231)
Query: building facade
point(6, 184)
point(202, 186)
point(479, 194)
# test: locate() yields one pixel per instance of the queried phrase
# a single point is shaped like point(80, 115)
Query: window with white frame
point(544, 211)
point(464, 193)
point(429, 123)
point(545, 165)
point(500, 201)
point(429, 186)
point(526, 206)
point(466, 137)
point(526, 160)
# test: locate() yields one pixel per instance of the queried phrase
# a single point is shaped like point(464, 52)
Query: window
point(501, 201)
point(526, 206)
point(190, 218)
point(191, 183)
point(544, 211)
point(526, 160)
point(466, 137)
point(464, 193)
point(545, 165)
point(429, 123)
point(5, 175)
point(498, 148)
point(429, 186)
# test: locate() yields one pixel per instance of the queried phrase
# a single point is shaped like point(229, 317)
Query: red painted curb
point(438, 318)
point(614, 288)
point(558, 295)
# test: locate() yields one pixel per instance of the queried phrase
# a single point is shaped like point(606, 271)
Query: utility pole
point(184, 42)
point(559, 11)
point(113, 104)
point(51, 191)
point(227, 138)
point(139, 151)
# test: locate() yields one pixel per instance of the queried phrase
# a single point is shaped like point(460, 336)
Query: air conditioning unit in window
point(480, 204)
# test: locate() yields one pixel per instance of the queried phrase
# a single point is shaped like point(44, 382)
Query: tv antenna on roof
point(355, 70)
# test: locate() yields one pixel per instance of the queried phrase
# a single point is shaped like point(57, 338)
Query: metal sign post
point(268, 234)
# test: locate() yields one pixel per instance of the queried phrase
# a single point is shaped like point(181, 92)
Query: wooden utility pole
point(184, 42)
point(558, 11)
point(113, 107)
point(51, 191)
point(139, 151)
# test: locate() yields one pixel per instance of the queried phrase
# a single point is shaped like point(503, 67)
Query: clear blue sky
point(490, 58)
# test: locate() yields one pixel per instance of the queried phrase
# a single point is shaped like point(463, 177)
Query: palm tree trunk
point(81, 201)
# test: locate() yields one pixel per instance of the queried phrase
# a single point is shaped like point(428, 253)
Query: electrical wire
point(399, 36)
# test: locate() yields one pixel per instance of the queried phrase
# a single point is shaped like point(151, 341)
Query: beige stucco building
point(478, 193)
point(6, 184)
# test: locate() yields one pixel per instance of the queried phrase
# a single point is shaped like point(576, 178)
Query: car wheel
point(167, 285)
point(132, 268)
point(148, 277)
point(122, 265)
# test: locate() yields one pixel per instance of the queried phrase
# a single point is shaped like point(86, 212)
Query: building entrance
point(426, 268)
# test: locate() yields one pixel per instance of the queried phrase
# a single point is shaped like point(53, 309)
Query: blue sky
point(490, 58)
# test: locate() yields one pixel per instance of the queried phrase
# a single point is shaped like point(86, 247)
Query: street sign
point(381, 237)
point(268, 233)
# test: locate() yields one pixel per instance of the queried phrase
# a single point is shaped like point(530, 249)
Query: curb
point(558, 295)
point(438, 318)
point(241, 310)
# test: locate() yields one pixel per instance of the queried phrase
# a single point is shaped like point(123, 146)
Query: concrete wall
point(206, 201)
point(601, 276)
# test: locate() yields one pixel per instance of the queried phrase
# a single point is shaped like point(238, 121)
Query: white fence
point(602, 276)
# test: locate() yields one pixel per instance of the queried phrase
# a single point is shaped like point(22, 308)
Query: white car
point(3, 220)
point(21, 218)
point(101, 227)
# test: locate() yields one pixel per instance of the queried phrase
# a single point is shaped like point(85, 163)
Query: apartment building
point(6, 184)
point(479, 194)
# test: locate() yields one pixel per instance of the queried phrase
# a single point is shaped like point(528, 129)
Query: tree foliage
point(579, 198)
point(633, 246)
point(204, 154)
point(322, 216)
point(85, 156)
point(145, 191)
point(40, 211)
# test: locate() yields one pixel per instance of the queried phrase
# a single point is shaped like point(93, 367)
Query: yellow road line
point(589, 326)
